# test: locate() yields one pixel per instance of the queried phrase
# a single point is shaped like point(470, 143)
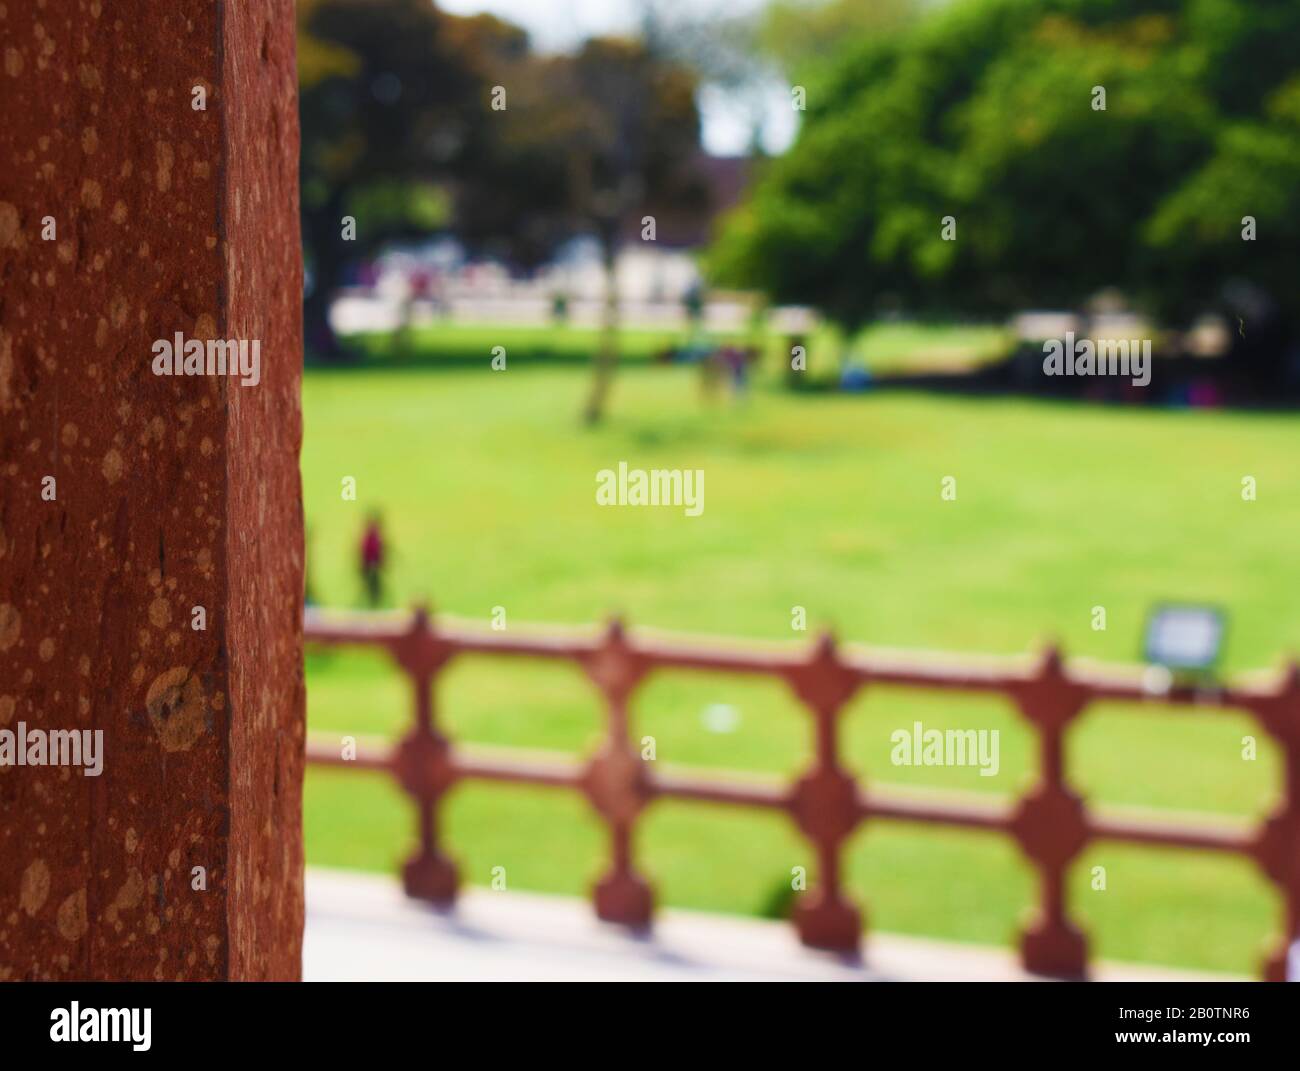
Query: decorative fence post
point(1051, 823)
point(616, 783)
point(423, 764)
point(824, 803)
point(1277, 847)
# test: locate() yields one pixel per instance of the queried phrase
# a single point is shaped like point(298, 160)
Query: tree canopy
point(984, 111)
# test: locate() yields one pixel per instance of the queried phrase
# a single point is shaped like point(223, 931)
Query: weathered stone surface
point(171, 492)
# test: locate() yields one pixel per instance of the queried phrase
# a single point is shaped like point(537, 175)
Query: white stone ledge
point(361, 927)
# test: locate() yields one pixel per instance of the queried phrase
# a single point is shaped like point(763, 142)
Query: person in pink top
point(373, 553)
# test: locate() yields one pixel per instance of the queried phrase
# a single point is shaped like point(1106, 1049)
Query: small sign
point(1184, 637)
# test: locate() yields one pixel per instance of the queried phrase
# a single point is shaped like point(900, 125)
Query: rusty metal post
point(824, 803)
point(616, 784)
point(1050, 825)
point(150, 516)
point(1277, 846)
point(424, 767)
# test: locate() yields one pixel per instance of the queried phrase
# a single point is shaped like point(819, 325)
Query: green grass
point(486, 482)
point(449, 345)
point(882, 347)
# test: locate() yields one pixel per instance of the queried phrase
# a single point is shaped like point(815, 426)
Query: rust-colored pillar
point(150, 513)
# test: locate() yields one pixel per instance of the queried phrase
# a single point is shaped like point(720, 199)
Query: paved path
point(361, 927)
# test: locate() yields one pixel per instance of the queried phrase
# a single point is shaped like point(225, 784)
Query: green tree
point(985, 112)
point(616, 129)
point(415, 121)
point(802, 35)
point(394, 105)
point(635, 147)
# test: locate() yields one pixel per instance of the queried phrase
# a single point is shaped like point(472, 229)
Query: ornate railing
point(1050, 823)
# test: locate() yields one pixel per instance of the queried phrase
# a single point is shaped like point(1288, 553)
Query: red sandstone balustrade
point(1050, 823)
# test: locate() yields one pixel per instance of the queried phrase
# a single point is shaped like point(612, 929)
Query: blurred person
point(368, 277)
point(422, 289)
point(693, 304)
point(373, 556)
point(736, 360)
point(704, 353)
point(731, 366)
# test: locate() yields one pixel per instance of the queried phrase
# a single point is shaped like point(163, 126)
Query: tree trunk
point(606, 359)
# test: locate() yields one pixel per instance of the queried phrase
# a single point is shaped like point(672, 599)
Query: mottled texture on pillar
point(129, 499)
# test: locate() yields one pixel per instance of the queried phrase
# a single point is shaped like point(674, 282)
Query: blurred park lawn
point(831, 502)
